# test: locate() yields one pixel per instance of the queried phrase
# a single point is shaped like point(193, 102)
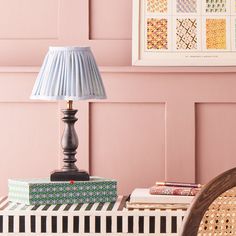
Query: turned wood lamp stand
point(69, 143)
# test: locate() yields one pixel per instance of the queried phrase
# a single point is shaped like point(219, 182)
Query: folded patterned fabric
point(168, 190)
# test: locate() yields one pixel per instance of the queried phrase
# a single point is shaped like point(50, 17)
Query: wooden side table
point(87, 219)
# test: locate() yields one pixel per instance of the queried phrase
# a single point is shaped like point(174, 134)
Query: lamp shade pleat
point(69, 73)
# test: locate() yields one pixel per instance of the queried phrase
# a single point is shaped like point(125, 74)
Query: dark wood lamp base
point(69, 175)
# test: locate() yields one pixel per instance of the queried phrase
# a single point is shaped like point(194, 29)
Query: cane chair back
point(213, 211)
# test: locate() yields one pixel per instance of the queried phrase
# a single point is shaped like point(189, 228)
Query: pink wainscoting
point(135, 150)
point(157, 123)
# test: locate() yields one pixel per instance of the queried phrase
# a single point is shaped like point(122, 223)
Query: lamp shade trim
point(69, 48)
point(48, 98)
point(69, 73)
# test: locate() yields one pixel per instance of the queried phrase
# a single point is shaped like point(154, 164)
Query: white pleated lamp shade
point(69, 73)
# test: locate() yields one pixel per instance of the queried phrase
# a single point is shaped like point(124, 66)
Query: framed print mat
point(184, 33)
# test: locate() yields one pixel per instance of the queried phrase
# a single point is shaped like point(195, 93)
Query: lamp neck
point(70, 105)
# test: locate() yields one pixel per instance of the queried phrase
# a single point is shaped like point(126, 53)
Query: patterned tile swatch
point(216, 33)
point(157, 6)
point(186, 6)
point(215, 6)
point(157, 33)
point(186, 34)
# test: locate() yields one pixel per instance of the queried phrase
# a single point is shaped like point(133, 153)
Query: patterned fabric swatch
point(186, 34)
point(216, 33)
point(186, 6)
point(217, 6)
point(157, 6)
point(157, 33)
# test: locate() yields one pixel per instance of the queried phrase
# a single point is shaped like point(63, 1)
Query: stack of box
point(164, 195)
point(142, 199)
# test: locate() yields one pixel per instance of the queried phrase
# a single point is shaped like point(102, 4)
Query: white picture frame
point(201, 56)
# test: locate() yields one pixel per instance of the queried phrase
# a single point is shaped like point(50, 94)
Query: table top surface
point(119, 205)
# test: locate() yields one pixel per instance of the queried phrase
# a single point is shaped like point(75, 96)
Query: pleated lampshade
point(69, 73)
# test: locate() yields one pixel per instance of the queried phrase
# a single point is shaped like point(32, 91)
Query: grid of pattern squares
point(190, 25)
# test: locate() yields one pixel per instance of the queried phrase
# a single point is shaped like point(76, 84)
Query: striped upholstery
point(87, 219)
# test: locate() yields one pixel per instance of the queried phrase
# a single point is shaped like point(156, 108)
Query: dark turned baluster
point(69, 140)
point(69, 144)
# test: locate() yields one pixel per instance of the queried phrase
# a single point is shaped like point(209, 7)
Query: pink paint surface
point(175, 124)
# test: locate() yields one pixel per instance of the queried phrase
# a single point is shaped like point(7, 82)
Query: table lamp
point(71, 74)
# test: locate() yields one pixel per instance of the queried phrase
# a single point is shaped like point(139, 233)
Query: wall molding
point(130, 69)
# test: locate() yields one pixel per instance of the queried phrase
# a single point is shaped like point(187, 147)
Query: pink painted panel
point(110, 19)
point(180, 140)
point(127, 142)
point(28, 141)
point(29, 27)
point(112, 52)
point(215, 140)
point(24, 19)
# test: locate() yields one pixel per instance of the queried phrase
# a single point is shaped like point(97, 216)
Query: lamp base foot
point(69, 175)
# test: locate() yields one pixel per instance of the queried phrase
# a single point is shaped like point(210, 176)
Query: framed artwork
point(184, 33)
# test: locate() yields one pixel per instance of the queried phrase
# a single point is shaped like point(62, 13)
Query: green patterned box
point(43, 191)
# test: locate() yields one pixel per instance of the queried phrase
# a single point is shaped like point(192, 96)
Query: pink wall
point(157, 123)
